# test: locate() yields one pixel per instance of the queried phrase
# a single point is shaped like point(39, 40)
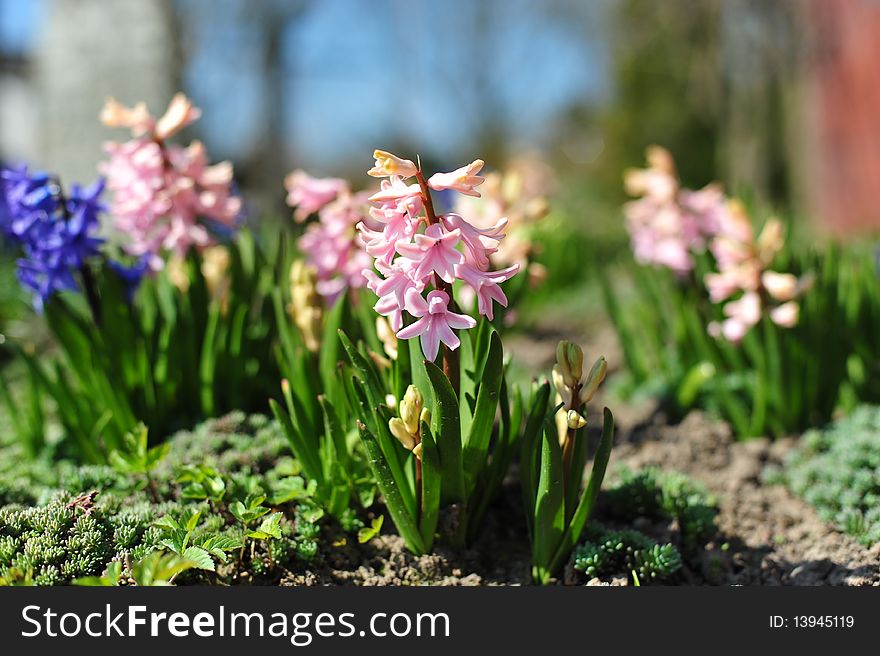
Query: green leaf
point(476, 446)
point(588, 498)
point(270, 527)
point(329, 354)
point(289, 488)
point(530, 457)
point(446, 428)
point(431, 487)
point(549, 500)
point(199, 558)
point(390, 489)
point(305, 450)
point(366, 534)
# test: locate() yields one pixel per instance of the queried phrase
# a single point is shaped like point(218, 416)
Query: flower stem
point(451, 366)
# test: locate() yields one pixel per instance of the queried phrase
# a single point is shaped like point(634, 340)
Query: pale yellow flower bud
point(387, 337)
point(562, 390)
point(305, 304)
point(425, 417)
point(400, 431)
point(390, 164)
point(411, 409)
point(575, 420)
point(215, 264)
point(177, 273)
point(594, 379)
point(575, 357)
point(771, 240)
point(562, 363)
point(417, 450)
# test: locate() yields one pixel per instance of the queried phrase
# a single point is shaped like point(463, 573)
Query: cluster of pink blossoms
point(668, 223)
point(332, 245)
point(163, 191)
point(743, 268)
point(419, 255)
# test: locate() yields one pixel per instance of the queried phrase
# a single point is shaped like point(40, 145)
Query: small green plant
point(654, 493)
point(606, 553)
point(137, 457)
point(554, 456)
point(837, 470)
point(69, 538)
point(157, 568)
point(201, 551)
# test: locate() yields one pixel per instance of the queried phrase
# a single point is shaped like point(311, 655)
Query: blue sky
point(359, 74)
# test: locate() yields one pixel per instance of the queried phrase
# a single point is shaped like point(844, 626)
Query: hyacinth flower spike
point(421, 255)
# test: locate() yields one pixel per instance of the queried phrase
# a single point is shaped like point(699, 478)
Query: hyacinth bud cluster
point(163, 192)
point(418, 255)
point(305, 305)
point(331, 245)
point(407, 427)
point(667, 224)
point(744, 269)
point(57, 233)
point(574, 387)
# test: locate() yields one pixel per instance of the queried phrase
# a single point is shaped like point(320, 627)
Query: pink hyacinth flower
point(389, 164)
point(785, 315)
point(485, 285)
point(462, 180)
point(308, 194)
point(435, 322)
point(179, 114)
point(394, 191)
point(781, 286)
point(479, 244)
point(434, 251)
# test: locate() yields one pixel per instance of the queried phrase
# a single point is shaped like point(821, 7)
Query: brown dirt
point(772, 537)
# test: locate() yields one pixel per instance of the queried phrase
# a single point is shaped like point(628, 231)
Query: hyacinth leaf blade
point(587, 502)
point(403, 372)
point(528, 462)
point(329, 354)
point(375, 398)
point(468, 381)
point(333, 428)
point(502, 454)
point(391, 492)
point(549, 504)
point(479, 436)
point(574, 479)
point(446, 427)
point(365, 369)
point(365, 319)
point(305, 449)
point(431, 486)
point(207, 361)
point(27, 421)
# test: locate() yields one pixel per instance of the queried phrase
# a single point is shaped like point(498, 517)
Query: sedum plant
point(554, 457)
point(836, 469)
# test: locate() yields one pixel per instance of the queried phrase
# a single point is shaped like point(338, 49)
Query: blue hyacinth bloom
point(57, 234)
